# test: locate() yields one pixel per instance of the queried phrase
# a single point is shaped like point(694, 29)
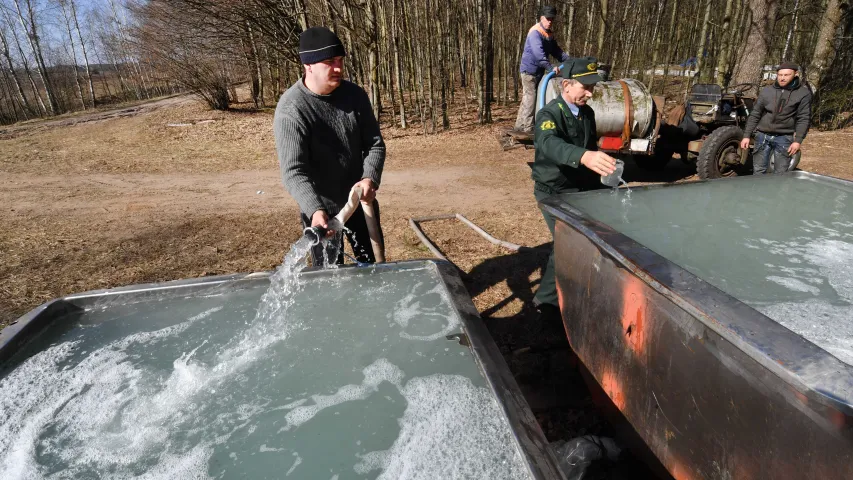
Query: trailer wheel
point(720, 154)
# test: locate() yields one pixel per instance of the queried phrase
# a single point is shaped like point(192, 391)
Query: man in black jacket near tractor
point(780, 120)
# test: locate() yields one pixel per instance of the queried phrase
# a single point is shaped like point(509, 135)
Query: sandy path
point(109, 195)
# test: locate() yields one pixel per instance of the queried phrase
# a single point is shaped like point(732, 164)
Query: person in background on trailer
point(540, 43)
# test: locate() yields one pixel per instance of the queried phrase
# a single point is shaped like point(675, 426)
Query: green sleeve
point(551, 146)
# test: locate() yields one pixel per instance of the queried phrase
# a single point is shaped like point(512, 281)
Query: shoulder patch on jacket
point(547, 125)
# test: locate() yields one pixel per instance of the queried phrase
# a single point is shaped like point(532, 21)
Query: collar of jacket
point(567, 112)
point(542, 31)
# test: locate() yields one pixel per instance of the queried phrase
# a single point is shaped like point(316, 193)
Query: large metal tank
point(715, 318)
point(368, 371)
point(610, 103)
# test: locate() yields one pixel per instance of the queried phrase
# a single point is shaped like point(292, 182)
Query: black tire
point(717, 154)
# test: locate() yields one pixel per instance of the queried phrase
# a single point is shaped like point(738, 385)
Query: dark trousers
point(357, 235)
point(547, 293)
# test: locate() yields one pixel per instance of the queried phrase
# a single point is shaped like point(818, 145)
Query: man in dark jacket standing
point(328, 140)
point(567, 157)
point(540, 43)
point(780, 120)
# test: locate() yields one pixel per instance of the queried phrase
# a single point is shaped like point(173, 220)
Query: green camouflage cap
point(584, 70)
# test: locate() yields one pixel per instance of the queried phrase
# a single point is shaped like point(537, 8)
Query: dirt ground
point(173, 190)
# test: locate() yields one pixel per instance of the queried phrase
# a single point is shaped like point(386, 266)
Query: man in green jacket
point(567, 157)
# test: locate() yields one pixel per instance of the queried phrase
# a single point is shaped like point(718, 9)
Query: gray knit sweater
point(325, 144)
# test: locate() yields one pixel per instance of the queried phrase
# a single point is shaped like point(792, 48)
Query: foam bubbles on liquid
point(794, 284)
point(450, 429)
point(374, 374)
point(110, 414)
point(823, 320)
point(429, 323)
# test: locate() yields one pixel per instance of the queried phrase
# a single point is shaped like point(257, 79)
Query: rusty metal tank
point(610, 101)
point(714, 318)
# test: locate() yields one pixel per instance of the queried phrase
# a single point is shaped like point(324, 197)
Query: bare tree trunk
point(32, 35)
point(387, 67)
point(124, 51)
point(726, 36)
point(397, 64)
point(372, 59)
point(22, 98)
point(12, 98)
point(656, 42)
point(751, 63)
point(256, 69)
point(85, 53)
point(417, 52)
point(791, 28)
point(516, 59)
point(480, 64)
point(703, 42)
point(302, 13)
point(353, 57)
point(671, 44)
point(443, 29)
point(602, 26)
point(66, 15)
point(430, 64)
point(825, 49)
point(570, 24)
point(589, 22)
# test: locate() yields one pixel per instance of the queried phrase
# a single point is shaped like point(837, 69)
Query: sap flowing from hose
point(116, 412)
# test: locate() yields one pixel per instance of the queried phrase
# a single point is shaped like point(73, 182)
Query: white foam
point(374, 374)
point(794, 284)
point(296, 463)
point(109, 413)
point(410, 313)
point(450, 429)
point(835, 260)
point(824, 324)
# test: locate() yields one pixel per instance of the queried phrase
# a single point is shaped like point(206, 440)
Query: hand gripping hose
point(337, 223)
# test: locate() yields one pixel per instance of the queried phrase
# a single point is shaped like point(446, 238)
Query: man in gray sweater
point(780, 120)
point(328, 140)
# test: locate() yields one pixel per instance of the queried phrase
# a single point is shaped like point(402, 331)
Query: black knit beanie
point(319, 43)
point(789, 66)
point(547, 11)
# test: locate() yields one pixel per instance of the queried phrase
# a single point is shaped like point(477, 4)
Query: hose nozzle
point(314, 234)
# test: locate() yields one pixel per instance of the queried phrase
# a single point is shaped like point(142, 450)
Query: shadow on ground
point(541, 360)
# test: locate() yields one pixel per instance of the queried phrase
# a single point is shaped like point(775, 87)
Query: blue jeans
point(766, 145)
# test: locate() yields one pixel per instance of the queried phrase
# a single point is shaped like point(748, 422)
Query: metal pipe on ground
point(414, 224)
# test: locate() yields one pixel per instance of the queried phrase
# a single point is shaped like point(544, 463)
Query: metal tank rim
point(795, 360)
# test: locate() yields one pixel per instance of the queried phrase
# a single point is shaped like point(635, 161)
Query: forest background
point(418, 60)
